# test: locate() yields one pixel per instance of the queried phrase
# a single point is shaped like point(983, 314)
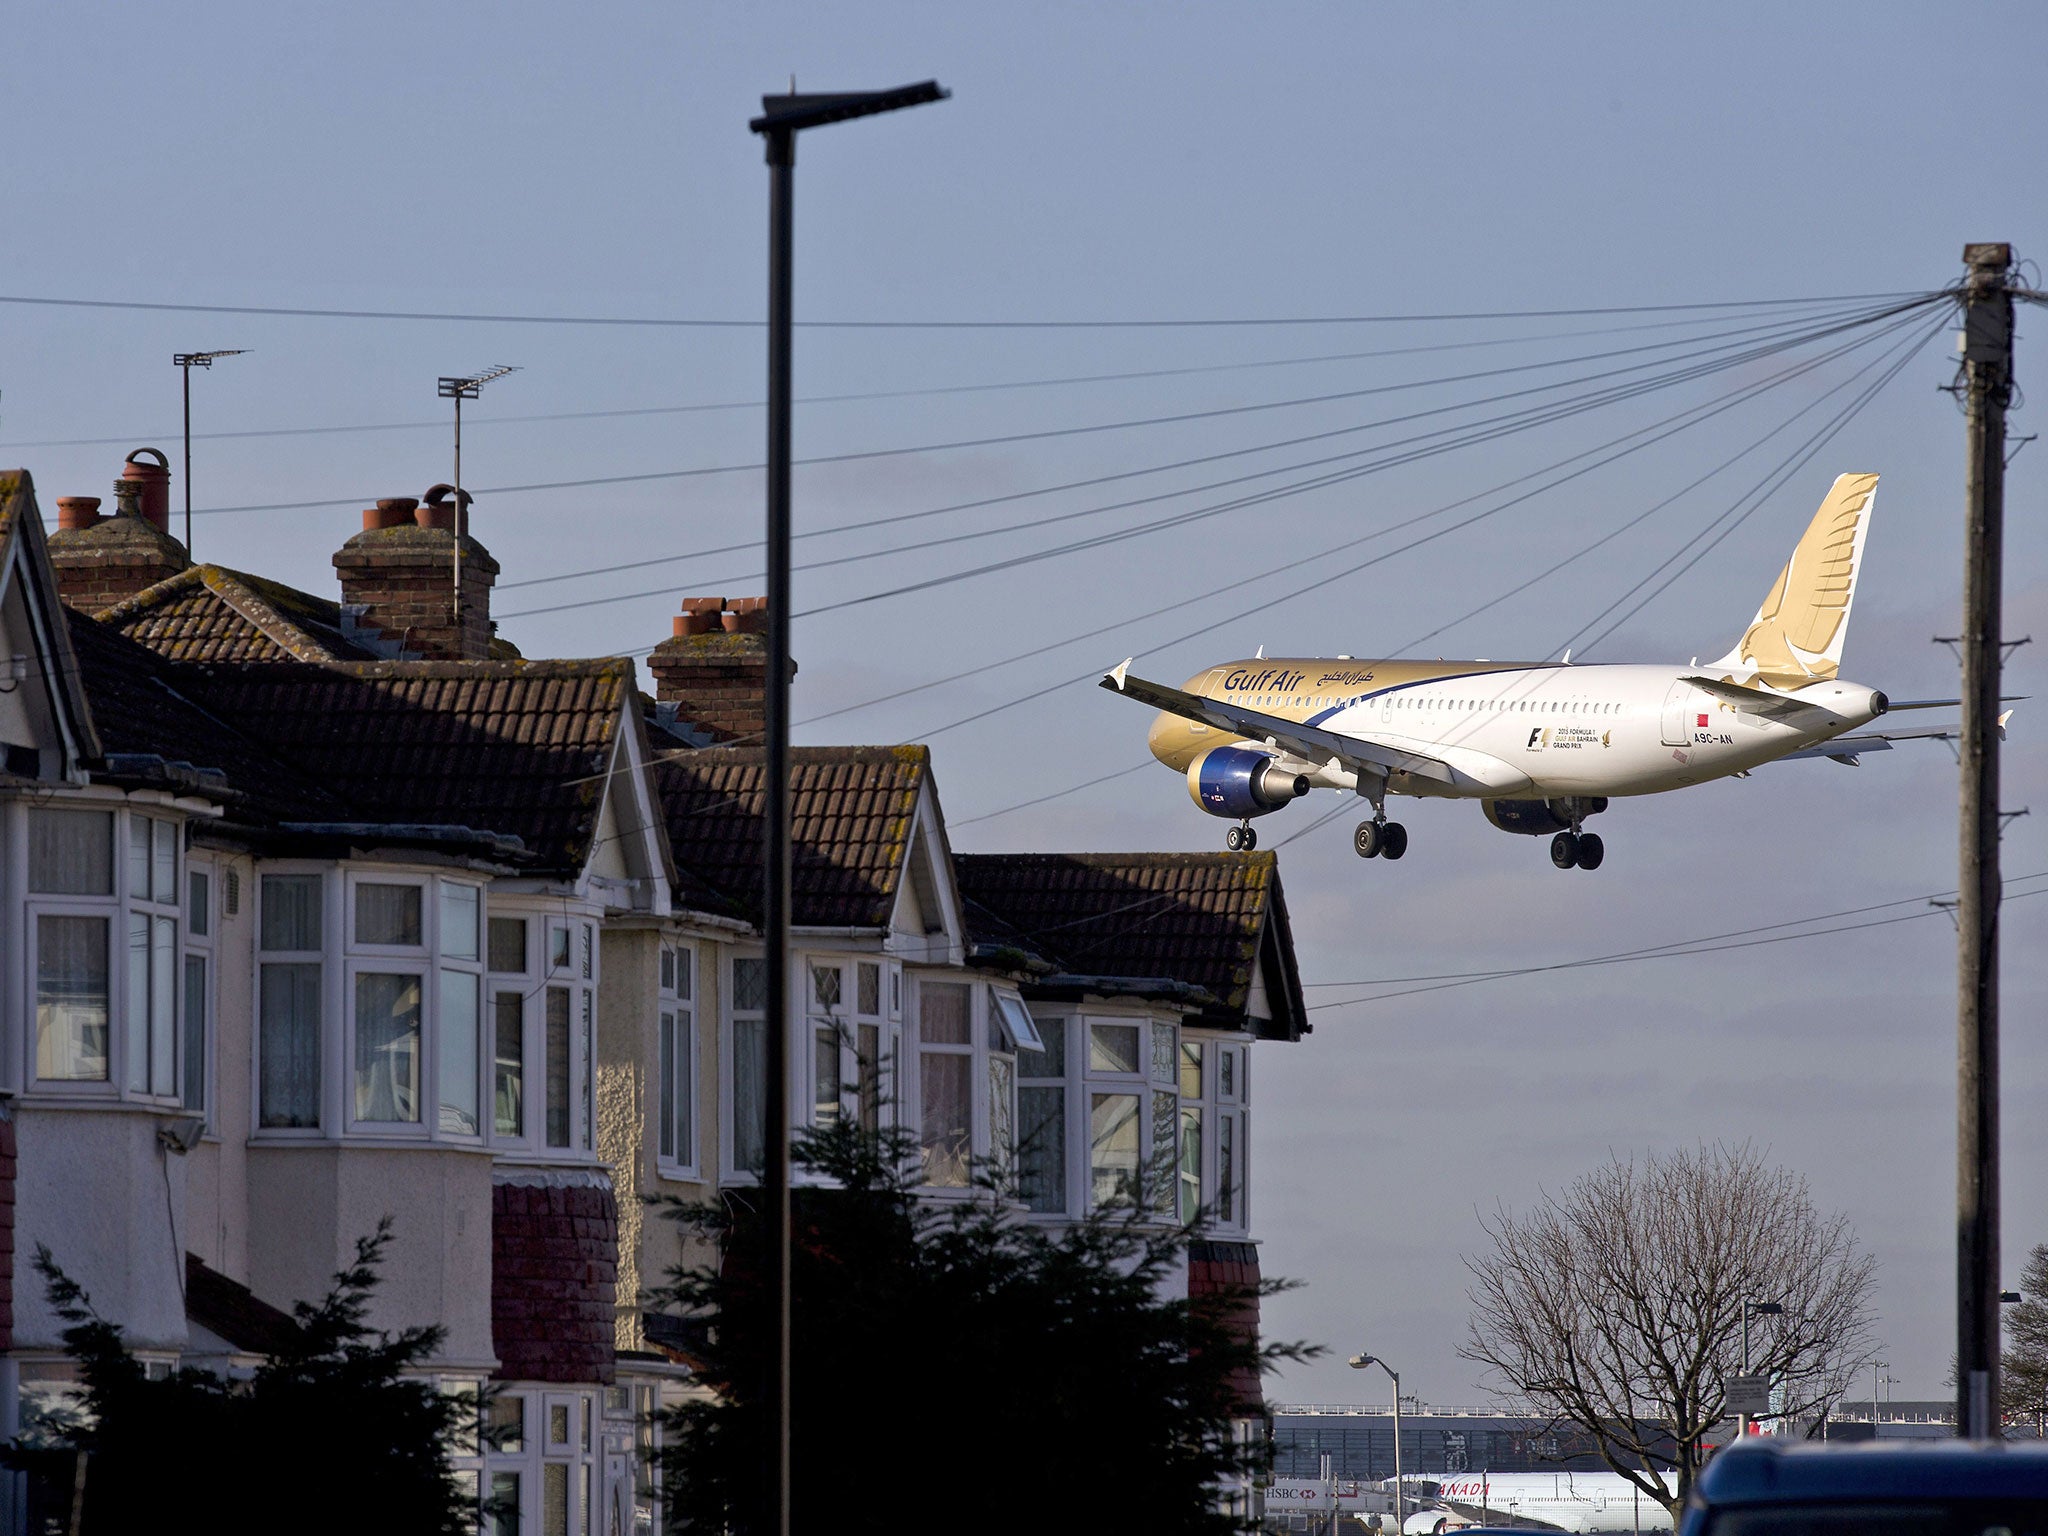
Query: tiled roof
point(232, 1311)
point(1195, 918)
point(153, 728)
point(212, 614)
point(851, 813)
point(507, 747)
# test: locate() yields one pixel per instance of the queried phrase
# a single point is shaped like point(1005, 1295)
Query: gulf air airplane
point(1542, 746)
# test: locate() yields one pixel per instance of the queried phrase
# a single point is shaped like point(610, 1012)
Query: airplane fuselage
point(1515, 730)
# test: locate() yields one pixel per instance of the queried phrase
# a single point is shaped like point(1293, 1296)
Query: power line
point(670, 323)
point(755, 404)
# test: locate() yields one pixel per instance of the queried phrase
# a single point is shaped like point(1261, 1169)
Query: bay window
point(509, 964)
point(415, 1007)
point(1115, 1114)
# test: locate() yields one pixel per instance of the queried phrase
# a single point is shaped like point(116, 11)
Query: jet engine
point(1540, 818)
point(1236, 782)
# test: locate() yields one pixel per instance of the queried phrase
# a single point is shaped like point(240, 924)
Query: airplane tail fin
point(1796, 636)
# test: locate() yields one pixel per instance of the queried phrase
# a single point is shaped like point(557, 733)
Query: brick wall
point(112, 560)
point(1222, 1268)
point(554, 1277)
point(717, 682)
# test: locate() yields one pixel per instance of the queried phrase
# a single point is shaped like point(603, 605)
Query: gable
point(925, 922)
point(46, 725)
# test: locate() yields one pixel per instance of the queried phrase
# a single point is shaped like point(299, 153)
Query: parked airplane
point(1542, 746)
point(1562, 1501)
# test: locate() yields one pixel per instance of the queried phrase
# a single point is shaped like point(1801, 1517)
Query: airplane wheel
point(1564, 850)
point(1234, 838)
point(1251, 839)
point(1393, 840)
point(1591, 850)
point(1368, 840)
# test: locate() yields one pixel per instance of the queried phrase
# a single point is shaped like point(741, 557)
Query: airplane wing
point(1308, 742)
point(1771, 706)
point(1846, 749)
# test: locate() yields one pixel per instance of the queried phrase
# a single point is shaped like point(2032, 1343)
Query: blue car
point(1765, 1487)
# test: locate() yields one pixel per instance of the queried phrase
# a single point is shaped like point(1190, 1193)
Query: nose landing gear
point(1241, 839)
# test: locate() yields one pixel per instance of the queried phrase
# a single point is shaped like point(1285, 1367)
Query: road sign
point(1748, 1394)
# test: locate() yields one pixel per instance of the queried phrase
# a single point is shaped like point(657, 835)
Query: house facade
point(318, 910)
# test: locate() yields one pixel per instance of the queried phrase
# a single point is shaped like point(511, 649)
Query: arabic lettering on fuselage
point(1287, 680)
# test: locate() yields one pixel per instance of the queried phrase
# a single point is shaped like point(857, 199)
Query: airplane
point(1559, 1501)
point(1544, 745)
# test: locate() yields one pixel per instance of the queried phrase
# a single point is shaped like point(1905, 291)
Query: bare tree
point(2024, 1371)
point(1617, 1307)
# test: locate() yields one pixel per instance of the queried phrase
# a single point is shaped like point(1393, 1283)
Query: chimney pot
point(153, 484)
point(77, 511)
point(436, 511)
point(390, 512)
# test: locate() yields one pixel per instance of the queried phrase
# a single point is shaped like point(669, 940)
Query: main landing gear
point(1583, 849)
point(1380, 839)
point(1241, 839)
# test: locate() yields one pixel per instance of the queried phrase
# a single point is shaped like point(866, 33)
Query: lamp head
point(1360, 1362)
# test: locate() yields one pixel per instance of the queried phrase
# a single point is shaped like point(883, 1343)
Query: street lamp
point(1755, 1309)
point(1875, 1367)
point(188, 361)
point(782, 119)
point(467, 387)
point(1359, 1363)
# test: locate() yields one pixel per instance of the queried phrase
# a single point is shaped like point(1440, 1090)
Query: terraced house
point(316, 909)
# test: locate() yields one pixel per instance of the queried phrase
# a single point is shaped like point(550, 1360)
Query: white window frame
point(202, 947)
point(976, 1053)
point(730, 1016)
point(1063, 1026)
point(324, 1095)
point(680, 993)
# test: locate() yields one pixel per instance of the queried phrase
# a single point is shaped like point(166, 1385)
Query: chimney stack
point(101, 561)
point(398, 575)
point(712, 673)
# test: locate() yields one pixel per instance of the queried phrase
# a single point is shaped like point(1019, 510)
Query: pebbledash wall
point(327, 911)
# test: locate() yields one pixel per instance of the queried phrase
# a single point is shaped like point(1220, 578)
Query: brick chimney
point(102, 560)
point(711, 676)
point(398, 577)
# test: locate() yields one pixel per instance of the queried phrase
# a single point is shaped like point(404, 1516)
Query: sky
point(1349, 168)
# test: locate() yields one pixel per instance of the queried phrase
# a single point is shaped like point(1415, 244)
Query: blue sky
point(1150, 162)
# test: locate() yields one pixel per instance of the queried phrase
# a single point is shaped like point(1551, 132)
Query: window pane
point(685, 965)
point(1165, 1058)
point(945, 1013)
point(558, 949)
point(460, 907)
point(291, 912)
point(585, 1060)
point(947, 1135)
point(198, 903)
point(1113, 1048)
point(749, 1084)
point(869, 1000)
point(71, 853)
point(554, 1498)
point(163, 1007)
point(668, 969)
point(137, 1040)
point(387, 914)
point(1017, 1022)
point(825, 1076)
point(1226, 1071)
point(71, 998)
point(589, 952)
point(868, 1055)
point(455, 1055)
point(1226, 1168)
point(1002, 1115)
point(1113, 1148)
point(508, 1070)
point(507, 1426)
point(684, 1081)
point(825, 985)
point(289, 1036)
point(1042, 1152)
point(504, 1504)
point(749, 985)
point(1190, 1163)
point(666, 1051)
point(387, 1045)
point(1191, 1069)
point(1159, 1169)
point(195, 1033)
point(508, 944)
point(1052, 1061)
point(558, 1066)
point(138, 856)
point(165, 882)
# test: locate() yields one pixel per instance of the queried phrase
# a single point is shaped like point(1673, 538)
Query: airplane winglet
point(1114, 678)
point(2001, 724)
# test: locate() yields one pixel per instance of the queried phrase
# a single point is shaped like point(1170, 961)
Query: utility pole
point(1985, 385)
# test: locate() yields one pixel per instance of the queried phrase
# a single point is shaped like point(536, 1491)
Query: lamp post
point(468, 387)
point(187, 361)
point(1875, 1367)
point(1756, 1309)
point(1359, 1363)
point(782, 119)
